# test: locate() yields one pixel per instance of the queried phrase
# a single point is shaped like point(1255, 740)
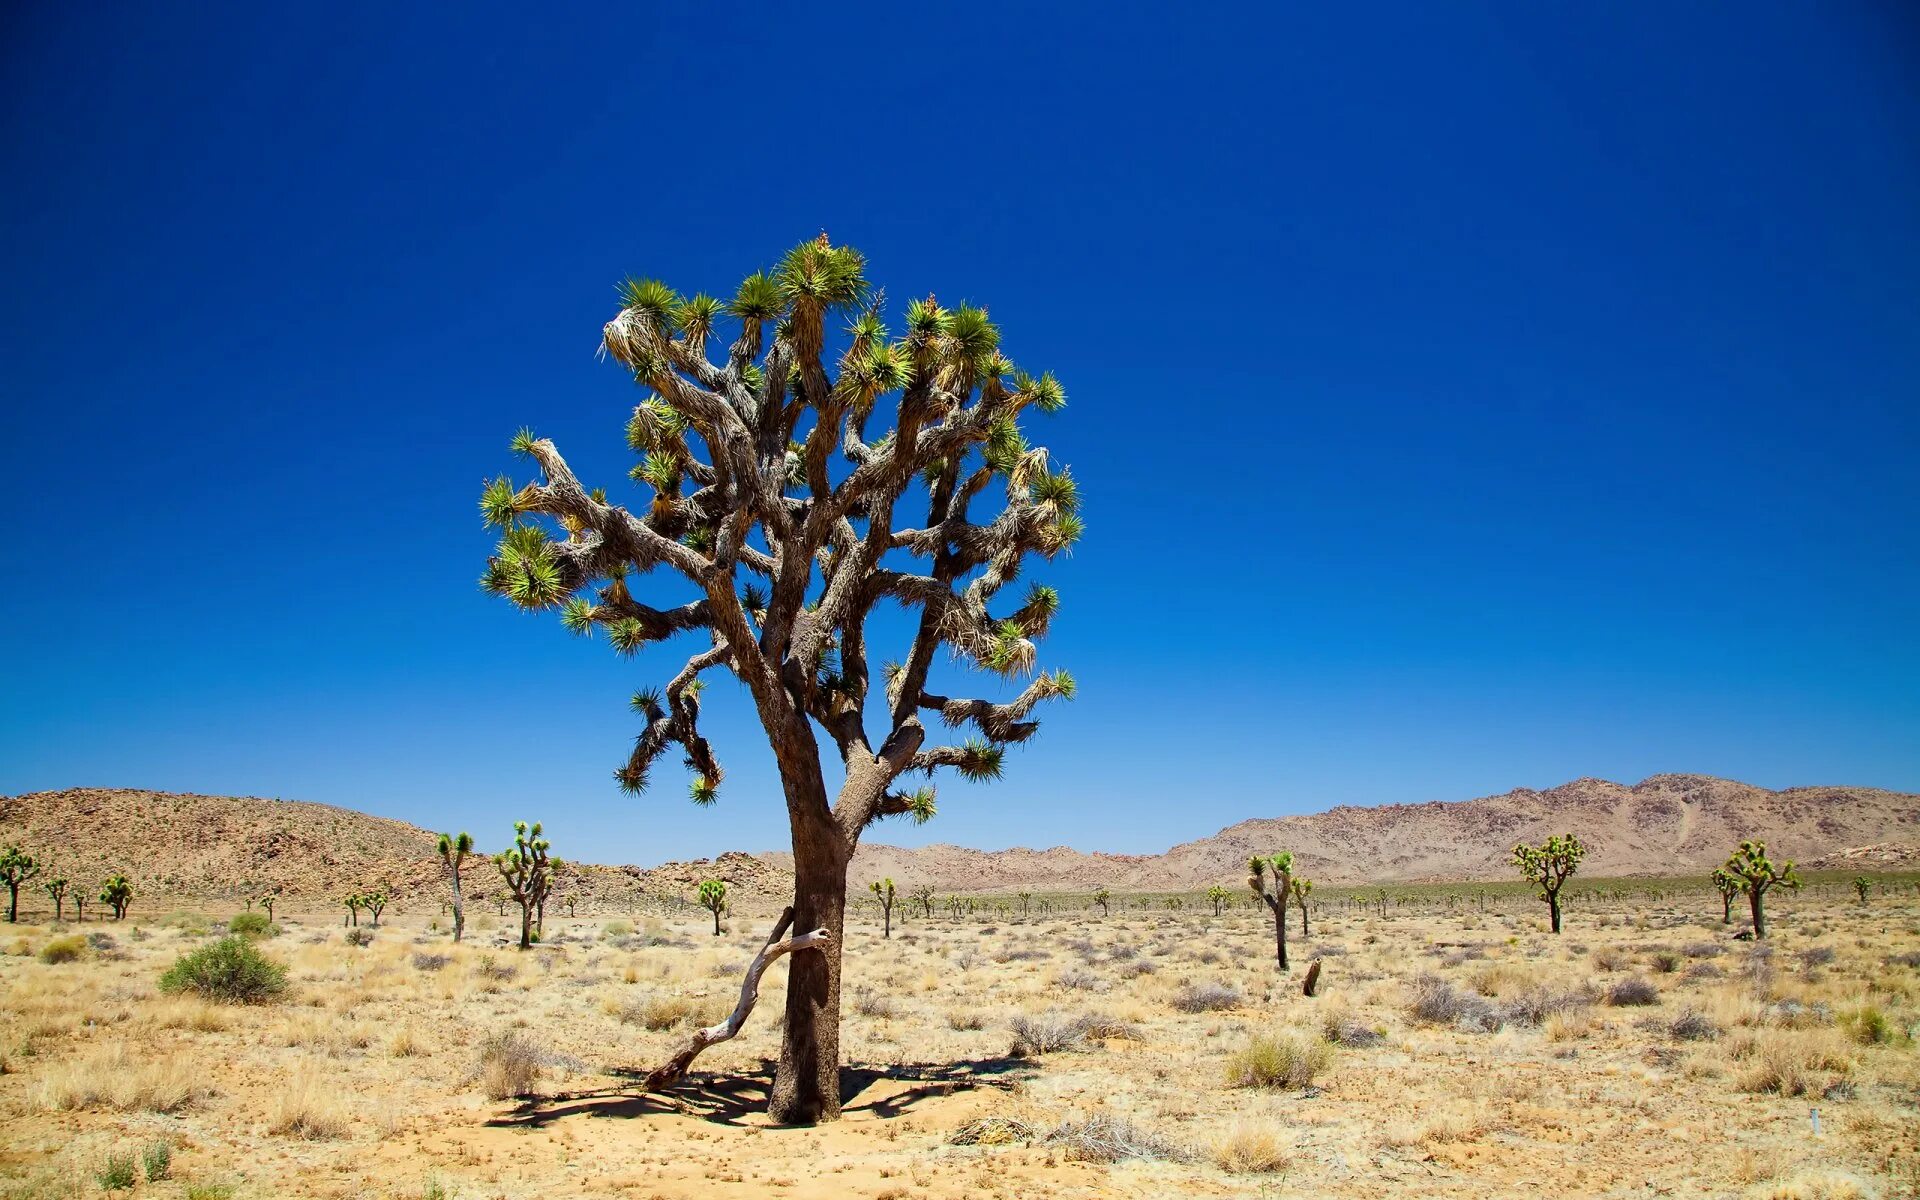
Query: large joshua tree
point(819, 467)
point(1547, 867)
point(1276, 898)
point(1758, 875)
point(454, 848)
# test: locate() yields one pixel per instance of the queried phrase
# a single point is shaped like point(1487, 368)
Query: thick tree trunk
point(1726, 908)
point(1553, 912)
point(1759, 914)
point(526, 925)
point(1279, 933)
point(13, 903)
point(806, 1088)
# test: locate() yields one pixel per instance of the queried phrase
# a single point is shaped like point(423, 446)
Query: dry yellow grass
point(370, 1077)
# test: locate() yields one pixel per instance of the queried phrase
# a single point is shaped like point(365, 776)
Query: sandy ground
point(1516, 1066)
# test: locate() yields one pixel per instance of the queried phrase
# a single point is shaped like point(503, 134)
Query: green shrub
point(63, 949)
point(1282, 1062)
point(116, 1174)
point(185, 922)
point(229, 970)
point(252, 924)
point(1867, 1024)
point(157, 1161)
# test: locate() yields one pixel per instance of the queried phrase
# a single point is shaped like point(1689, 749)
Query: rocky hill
point(1665, 825)
point(206, 847)
point(177, 846)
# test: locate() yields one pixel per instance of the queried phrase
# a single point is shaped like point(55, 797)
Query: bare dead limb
point(777, 944)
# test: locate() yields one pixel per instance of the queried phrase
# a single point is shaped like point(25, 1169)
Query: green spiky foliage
point(267, 901)
point(830, 458)
point(375, 902)
point(1219, 896)
point(352, 903)
point(453, 849)
point(882, 890)
point(1302, 888)
point(713, 897)
point(1758, 875)
point(17, 867)
point(1862, 885)
point(1548, 866)
point(1271, 879)
point(923, 896)
point(117, 893)
point(525, 868)
point(1728, 885)
point(1104, 898)
point(56, 890)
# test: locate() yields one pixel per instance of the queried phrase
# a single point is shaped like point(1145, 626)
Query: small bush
point(965, 1019)
point(252, 924)
point(1048, 1034)
point(1206, 997)
point(1632, 993)
point(1868, 1025)
point(1103, 1138)
point(63, 949)
point(617, 929)
point(1703, 949)
point(1278, 1062)
point(510, 1064)
point(1534, 1006)
point(1440, 1003)
point(1817, 956)
point(157, 1161)
point(117, 1173)
point(1665, 962)
point(1343, 1030)
point(230, 970)
point(1249, 1148)
point(1080, 980)
point(359, 937)
point(209, 1191)
point(1691, 1026)
point(430, 962)
point(1609, 958)
point(102, 942)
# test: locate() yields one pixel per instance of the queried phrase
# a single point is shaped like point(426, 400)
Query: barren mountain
point(183, 846)
point(1665, 825)
point(189, 846)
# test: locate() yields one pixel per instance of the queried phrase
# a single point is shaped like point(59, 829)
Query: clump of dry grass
point(1251, 1148)
point(113, 1079)
point(1106, 1138)
point(1207, 997)
point(310, 1109)
point(1438, 1002)
point(1278, 1062)
point(1632, 993)
point(510, 1064)
point(1049, 1033)
point(67, 949)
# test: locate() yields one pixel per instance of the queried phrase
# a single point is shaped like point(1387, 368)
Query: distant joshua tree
point(713, 898)
point(454, 848)
point(1862, 885)
point(923, 896)
point(1302, 888)
point(523, 868)
point(1280, 866)
point(375, 902)
point(1026, 904)
point(1548, 866)
point(16, 868)
point(1219, 896)
point(1102, 897)
point(790, 550)
point(117, 893)
point(352, 901)
point(267, 901)
point(1758, 876)
point(883, 892)
point(57, 892)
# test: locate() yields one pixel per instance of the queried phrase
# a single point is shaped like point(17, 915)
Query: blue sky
point(1462, 397)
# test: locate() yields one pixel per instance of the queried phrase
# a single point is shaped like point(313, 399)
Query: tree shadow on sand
point(726, 1098)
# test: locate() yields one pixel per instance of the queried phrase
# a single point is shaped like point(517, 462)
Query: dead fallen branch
point(777, 944)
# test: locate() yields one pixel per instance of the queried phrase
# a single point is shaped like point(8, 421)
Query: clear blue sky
point(1462, 398)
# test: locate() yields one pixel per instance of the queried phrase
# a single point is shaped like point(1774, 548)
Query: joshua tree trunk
point(806, 1088)
point(1726, 908)
point(459, 909)
point(13, 903)
point(1553, 910)
point(526, 925)
point(716, 922)
point(1303, 919)
point(1759, 913)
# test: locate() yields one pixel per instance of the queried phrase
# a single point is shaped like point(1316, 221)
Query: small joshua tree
point(1728, 885)
point(713, 897)
point(1758, 876)
point(117, 894)
point(923, 896)
point(1219, 896)
point(353, 901)
point(1280, 866)
point(267, 901)
point(57, 892)
point(883, 892)
point(1547, 866)
point(454, 848)
point(1026, 904)
point(1862, 885)
point(375, 902)
point(1302, 888)
point(523, 867)
point(16, 868)
point(1103, 897)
